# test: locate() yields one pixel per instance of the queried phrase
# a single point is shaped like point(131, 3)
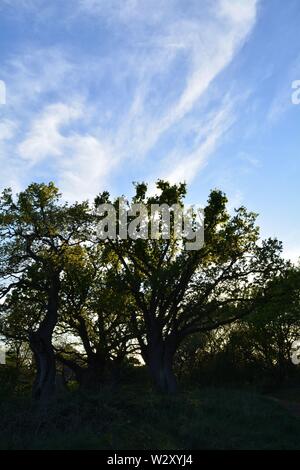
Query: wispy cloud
point(44, 138)
point(81, 160)
point(78, 115)
point(188, 165)
point(205, 47)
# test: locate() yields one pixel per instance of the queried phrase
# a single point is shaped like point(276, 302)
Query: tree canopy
point(93, 304)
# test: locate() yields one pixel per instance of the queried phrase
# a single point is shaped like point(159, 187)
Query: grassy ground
point(208, 418)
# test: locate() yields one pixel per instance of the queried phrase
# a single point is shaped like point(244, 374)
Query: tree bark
point(159, 358)
point(41, 345)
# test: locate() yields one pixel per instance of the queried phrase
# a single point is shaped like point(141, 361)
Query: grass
point(135, 419)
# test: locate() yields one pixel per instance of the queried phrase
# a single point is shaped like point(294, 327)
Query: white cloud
point(33, 74)
point(187, 166)
point(151, 82)
point(44, 138)
point(7, 130)
point(85, 172)
point(81, 160)
point(239, 11)
point(208, 46)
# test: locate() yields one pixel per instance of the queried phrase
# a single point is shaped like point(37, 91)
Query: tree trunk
point(41, 345)
point(93, 375)
point(44, 383)
point(160, 356)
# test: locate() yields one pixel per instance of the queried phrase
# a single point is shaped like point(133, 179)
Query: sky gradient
point(100, 93)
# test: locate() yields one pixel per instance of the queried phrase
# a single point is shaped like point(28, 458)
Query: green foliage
point(102, 305)
point(256, 349)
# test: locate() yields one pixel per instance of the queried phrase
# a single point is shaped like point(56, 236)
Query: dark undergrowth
point(136, 418)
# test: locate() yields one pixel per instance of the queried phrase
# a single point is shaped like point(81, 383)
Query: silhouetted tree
point(94, 311)
point(176, 293)
point(38, 235)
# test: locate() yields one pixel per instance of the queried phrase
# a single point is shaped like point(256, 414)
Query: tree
point(38, 236)
point(101, 298)
point(256, 347)
point(92, 335)
point(175, 292)
point(94, 322)
point(272, 328)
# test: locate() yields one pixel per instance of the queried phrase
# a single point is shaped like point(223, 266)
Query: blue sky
point(101, 93)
